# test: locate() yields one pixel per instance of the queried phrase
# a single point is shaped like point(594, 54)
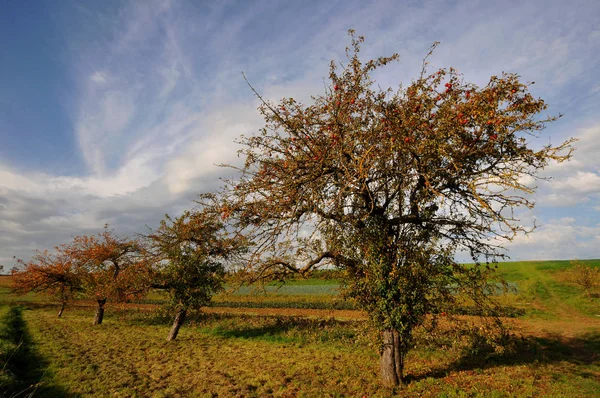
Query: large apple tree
point(388, 185)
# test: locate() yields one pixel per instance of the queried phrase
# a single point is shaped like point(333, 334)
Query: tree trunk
point(62, 308)
point(99, 312)
point(399, 356)
point(179, 319)
point(392, 359)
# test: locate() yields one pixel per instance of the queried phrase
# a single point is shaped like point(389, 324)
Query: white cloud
point(98, 77)
point(578, 180)
point(133, 176)
point(202, 155)
point(581, 183)
point(560, 200)
point(13, 180)
point(527, 180)
point(586, 154)
point(160, 100)
point(557, 239)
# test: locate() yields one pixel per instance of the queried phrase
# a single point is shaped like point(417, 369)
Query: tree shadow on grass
point(26, 367)
point(232, 326)
point(276, 329)
point(583, 350)
point(271, 329)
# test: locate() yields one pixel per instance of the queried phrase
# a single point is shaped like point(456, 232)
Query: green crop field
point(230, 351)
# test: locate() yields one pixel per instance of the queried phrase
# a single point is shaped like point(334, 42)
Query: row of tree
point(385, 185)
point(183, 257)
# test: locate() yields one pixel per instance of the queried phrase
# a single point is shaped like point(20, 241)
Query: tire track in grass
point(551, 298)
point(551, 295)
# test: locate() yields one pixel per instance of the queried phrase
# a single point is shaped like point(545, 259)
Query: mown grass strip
point(22, 372)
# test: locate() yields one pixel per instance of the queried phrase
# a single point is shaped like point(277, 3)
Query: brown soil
point(305, 312)
point(570, 327)
point(337, 314)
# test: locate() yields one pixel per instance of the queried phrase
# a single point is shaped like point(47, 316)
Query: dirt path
point(337, 314)
point(304, 312)
point(568, 328)
point(571, 324)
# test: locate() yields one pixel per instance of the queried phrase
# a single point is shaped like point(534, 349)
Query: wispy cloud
point(160, 98)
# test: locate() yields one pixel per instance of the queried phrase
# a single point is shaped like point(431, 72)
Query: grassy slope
point(229, 355)
point(543, 291)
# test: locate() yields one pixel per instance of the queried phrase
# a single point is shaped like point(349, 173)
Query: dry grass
point(258, 356)
point(282, 352)
point(5, 281)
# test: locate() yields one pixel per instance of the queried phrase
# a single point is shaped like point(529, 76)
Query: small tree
point(585, 276)
point(392, 184)
point(190, 252)
point(53, 274)
point(115, 268)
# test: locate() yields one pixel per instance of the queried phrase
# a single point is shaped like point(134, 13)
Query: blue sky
point(117, 111)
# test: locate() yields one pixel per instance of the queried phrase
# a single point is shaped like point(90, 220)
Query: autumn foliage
point(189, 254)
point(53, 274)
point(584, 276)
point(101, 267)
point(112, 267)
point(388, 185)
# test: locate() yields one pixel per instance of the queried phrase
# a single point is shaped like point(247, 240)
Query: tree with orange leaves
point(392, 183)
point(53, 274)
point(114, 268)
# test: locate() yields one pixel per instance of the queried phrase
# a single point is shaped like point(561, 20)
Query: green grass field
point(555, 347)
